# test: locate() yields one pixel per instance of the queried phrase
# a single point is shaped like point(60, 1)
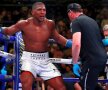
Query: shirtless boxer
point(36, 32)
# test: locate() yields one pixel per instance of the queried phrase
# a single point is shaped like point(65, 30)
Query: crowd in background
point(10, 15)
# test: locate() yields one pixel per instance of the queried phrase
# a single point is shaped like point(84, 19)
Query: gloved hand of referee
point(76, 69)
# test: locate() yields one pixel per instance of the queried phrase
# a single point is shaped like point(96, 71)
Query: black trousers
point(89, 74)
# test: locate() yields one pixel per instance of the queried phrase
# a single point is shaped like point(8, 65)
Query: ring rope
point(53, 60)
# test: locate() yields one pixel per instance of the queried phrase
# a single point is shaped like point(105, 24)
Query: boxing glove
point(69, 44)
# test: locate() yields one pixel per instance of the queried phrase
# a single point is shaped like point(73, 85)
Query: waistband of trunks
point(36, 55)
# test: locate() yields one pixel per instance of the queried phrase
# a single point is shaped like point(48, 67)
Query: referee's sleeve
point(75, 26)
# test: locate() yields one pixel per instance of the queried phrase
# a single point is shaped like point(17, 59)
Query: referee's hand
point(76, 69)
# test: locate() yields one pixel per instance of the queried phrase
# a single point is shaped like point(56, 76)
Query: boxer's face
point(39, 12)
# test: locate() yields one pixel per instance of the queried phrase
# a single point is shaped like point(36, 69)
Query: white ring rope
point(7, 55)
point(61, 60)
point(53, 60)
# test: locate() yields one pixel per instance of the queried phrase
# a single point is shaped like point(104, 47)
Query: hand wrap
point(69, 44)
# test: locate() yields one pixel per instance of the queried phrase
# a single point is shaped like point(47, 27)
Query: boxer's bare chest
point(37, 32)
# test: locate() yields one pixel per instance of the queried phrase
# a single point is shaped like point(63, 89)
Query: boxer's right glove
point(5, 37)
point(69, 43)
point(1, 30)
point(76, 69)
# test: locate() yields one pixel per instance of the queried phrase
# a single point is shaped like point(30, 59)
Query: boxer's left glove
point(69, 43)
point(76, 69)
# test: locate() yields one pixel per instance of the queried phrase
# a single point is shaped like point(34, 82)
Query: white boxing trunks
point(39, 64)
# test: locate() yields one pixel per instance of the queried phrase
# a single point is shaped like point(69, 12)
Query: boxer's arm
point(2, 29)
point(11, 29)
point(5, 37)
point(61, 39)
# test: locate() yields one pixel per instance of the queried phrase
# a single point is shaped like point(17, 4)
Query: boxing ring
point(15, 59)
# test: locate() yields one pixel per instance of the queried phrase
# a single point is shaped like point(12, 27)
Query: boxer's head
point(39, 11)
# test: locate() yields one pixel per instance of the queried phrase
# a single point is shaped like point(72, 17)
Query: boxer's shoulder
point(50, 22)
point(23, 22)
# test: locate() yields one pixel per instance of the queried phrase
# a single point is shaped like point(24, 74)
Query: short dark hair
point(74, 7)
point(37, 3)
